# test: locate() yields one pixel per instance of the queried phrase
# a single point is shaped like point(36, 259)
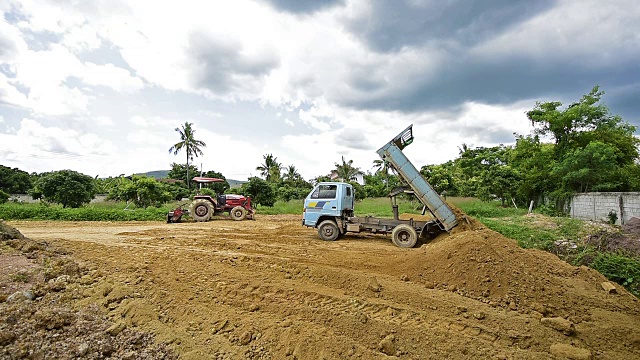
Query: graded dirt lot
point(270, 289)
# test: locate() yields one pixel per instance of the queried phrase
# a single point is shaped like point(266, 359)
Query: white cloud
point(104, 121)
point(139, 121)
point(9, 94)
point(110, 76)
point(289, 122)
point(81, 38)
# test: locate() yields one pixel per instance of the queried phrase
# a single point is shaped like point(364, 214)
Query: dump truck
point(329, 207)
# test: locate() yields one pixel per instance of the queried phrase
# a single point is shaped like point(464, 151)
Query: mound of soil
point(486, 266)
point(270, 289)
point(9, 233)
point(37, 319)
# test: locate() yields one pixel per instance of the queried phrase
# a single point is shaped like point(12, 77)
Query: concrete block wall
point(597, 205)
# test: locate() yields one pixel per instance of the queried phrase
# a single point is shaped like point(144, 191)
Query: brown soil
point(38, 290)
point(270, 289)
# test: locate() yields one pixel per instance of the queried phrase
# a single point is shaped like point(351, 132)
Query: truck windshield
point(325, 192)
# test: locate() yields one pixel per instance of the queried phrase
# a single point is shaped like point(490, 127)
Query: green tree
point(104, 185)
point(592, 168)
point(534, 161)
point(473, 164)
point(180, 172)
point(501, 181)
point(189, 143)
point(291, 174)
point(260, 191)
point(14, 181)
point(271, 168)
point(319, 179)
point(219, 187)
point(142, 190)
point(66, 187)
point(3, 197)
point(440, 177)
point(588, 140)
point(346, 171)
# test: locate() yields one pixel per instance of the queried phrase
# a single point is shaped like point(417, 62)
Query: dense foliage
point(14, 181)
point(66, 187)
point(592, 150)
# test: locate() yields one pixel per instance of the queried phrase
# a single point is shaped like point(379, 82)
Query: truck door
point(321, 201)
point(348, 198)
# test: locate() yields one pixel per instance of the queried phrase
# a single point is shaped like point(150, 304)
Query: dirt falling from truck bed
point(270, 289)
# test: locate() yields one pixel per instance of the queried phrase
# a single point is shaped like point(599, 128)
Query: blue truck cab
point(328, 200)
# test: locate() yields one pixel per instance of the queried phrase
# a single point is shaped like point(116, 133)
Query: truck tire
point(201, 210)
point(238, 213)
point(404, 236)
point(328, 230)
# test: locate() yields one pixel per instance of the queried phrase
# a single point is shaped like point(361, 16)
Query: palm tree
point(382, 168)
point(346, 171)
point(291, 173)
point(189, 143)
point(271, 168)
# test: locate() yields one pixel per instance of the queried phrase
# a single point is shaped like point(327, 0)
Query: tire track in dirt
point(269, 289)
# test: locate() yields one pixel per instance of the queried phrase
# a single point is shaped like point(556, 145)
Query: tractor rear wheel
point(328, 230)
point(404, 236)
point(238, 213)
point(201, 210)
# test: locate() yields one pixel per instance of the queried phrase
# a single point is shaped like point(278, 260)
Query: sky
point(100, 86)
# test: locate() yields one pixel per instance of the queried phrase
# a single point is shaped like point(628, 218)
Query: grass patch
point(91, 212)
point(618, 267)
point(282, 207)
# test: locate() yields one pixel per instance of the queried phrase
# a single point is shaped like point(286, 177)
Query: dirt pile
point(9, 233)
point(37, 319)
point(270, 289)
point(488, 267)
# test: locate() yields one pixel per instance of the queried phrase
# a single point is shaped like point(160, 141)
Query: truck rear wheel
point(238, 213)
point(201, 210)
point(404, 236)
point(328, 230)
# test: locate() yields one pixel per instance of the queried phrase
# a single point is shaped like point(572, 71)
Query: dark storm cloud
point(508, 80)
point(303, 6)
point(220, 65)
point(487, 134)
point(353, 139)
point(392, 25)
point(451, 33)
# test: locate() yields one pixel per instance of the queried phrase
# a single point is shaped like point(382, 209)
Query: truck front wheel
point(328, 230)
point(404, 236)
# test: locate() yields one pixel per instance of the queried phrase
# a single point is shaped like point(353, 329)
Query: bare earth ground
point(270, 289)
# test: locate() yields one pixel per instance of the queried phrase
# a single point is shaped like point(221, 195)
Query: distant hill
point(158, 174)
point(162, 174)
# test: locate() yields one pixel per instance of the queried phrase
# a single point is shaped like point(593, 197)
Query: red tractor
point(204, 207)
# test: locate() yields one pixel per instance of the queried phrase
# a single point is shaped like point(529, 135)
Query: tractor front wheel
point(201, 210)
point(238, 213)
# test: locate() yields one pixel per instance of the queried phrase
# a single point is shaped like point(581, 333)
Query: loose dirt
point(270, 289)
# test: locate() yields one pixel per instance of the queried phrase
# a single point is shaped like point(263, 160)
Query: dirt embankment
point(39, 285)
point(270, 289)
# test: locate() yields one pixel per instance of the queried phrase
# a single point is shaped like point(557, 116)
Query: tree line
point(578, 148)
point(573, 149)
